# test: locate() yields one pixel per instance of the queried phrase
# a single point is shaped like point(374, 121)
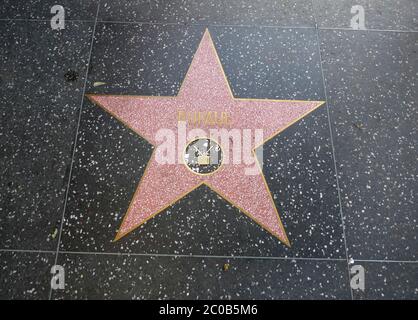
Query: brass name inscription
point(205, 118)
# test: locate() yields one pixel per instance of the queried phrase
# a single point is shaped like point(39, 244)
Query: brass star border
point(96, 99)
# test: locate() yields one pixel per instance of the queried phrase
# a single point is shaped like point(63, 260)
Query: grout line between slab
point(75, 140)
point(251, 26)
point(205, 24)
point(333, 156)
point(201, 256)
point(216, 25)
point(384, 261)
point(365, 30)
point(46, 20)
point(27, 251)
point(174, 255)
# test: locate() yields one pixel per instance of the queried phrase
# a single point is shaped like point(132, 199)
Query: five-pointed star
point(205, 88)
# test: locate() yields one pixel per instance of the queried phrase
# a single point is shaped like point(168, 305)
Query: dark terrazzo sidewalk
point(344, 178)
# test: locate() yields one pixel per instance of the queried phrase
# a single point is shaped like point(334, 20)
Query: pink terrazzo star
point(205, 88)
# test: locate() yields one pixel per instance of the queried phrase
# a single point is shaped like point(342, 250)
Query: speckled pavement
point(344, 177)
